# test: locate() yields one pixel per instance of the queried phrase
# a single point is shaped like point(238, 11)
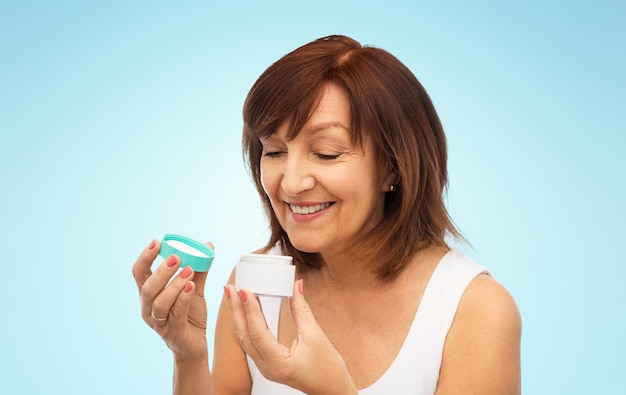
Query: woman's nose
point(297, 175)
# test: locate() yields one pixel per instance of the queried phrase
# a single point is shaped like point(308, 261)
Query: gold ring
point(157, 318)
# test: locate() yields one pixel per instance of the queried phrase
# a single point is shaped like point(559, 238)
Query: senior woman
point(349, 157)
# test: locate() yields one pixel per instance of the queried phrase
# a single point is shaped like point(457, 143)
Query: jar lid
point(191, 253)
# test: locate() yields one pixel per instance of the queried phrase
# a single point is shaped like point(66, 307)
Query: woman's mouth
point(309, 209)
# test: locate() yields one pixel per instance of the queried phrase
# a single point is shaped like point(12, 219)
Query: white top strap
point(416, 367)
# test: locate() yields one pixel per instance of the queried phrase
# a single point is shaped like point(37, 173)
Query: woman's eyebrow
point(318, 127)
point(307, 131)
point(270, 139)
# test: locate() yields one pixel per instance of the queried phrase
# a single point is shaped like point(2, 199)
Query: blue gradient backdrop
point(120, 121)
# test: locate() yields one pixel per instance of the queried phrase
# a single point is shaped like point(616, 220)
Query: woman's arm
point(192, 377)
point(230, 366)
point(173, 305)
point(482, 350)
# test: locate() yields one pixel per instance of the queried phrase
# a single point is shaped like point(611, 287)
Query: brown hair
point(389, 104)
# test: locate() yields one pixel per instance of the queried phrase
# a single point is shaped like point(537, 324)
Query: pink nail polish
point(186, 272)
point(152, 244)
point(301, 286)
point(244, 295)
point(188, 287)
point(227, 291)
point(171, 261)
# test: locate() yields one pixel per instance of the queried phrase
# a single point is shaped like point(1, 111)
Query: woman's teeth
point(308, 209)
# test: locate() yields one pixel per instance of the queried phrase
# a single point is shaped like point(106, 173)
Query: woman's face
point(323, 188)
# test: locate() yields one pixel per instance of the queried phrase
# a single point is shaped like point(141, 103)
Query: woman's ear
point(390, 183)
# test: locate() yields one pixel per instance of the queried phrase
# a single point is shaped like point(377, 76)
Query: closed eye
point(273, 154)
point(327, 157)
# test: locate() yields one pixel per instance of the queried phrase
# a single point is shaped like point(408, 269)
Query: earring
point(392, 188)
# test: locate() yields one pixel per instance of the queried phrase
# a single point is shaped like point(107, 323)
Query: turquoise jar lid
point(191, 253)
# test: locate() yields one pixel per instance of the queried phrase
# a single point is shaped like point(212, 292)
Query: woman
point(349, 158)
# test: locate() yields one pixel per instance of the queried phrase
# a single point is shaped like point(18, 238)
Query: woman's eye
point(272, 154)
point(327, 156)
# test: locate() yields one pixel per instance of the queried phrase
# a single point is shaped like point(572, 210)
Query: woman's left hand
point(312, 364)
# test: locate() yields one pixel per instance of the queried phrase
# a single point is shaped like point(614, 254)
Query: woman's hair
point(388, 104)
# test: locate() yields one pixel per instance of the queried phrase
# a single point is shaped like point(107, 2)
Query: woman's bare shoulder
point(482, 350)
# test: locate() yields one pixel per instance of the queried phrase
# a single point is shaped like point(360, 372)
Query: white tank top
point(415, 370)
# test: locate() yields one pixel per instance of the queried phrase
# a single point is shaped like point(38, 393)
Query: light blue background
point(120, 121)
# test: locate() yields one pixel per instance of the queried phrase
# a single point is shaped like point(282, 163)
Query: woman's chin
point(304, 246)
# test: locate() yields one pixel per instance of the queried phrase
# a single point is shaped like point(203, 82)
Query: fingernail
point(244, 295)
point(301, 286)
point(188, 287)
point(186, 272)
point(152, 244)
point(171, 261)
point(227, 291)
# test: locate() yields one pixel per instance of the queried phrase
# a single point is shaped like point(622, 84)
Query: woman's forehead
point(331, 110)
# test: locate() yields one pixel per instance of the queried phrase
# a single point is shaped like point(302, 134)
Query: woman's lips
point(305, 209)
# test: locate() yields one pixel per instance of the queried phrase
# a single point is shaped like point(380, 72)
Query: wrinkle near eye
point(330, 146)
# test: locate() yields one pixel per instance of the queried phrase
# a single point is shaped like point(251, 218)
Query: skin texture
point(338, 308)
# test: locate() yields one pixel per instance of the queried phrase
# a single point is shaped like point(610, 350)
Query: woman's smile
point(307, 209)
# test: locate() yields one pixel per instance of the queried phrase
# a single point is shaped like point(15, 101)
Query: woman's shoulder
point(487, 300)
point(484, 297)
point(482, 349)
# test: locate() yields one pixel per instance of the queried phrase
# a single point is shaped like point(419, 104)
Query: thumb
point(301, 312)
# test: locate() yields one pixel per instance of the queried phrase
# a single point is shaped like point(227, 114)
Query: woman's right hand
point(173, 305)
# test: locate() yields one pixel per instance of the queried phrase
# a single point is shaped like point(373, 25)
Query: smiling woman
point(373, 97)
point(349, 157)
